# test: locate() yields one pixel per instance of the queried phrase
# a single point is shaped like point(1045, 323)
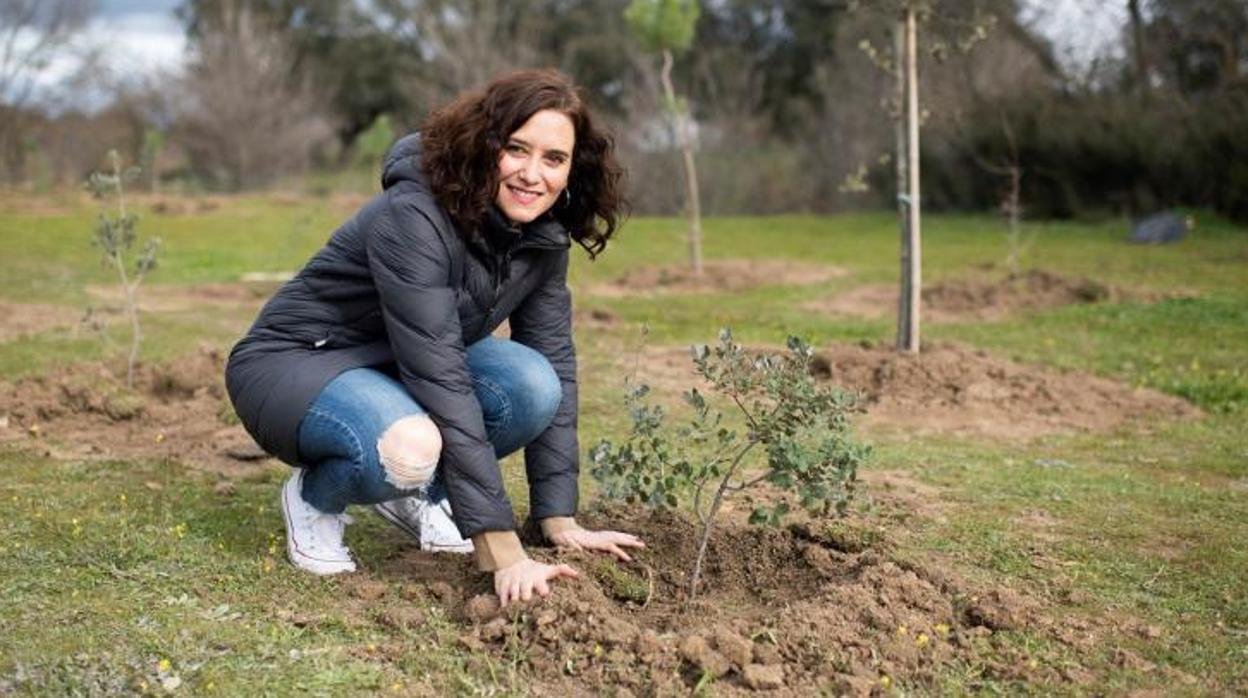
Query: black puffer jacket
point(397, 286)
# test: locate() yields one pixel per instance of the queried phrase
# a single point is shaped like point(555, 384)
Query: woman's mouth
point(524, 196)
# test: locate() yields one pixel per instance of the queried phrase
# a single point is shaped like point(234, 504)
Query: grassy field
point(140, 576)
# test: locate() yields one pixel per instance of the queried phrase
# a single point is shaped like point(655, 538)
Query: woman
point(373, 371)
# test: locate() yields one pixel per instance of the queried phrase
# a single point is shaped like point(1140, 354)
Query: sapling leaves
point(808, 452)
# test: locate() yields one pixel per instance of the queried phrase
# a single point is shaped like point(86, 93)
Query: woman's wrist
point(497, 549)
point(554, 525)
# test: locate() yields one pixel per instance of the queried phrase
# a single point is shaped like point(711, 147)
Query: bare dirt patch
point(174, 299)
point(182, 205)
point(177, 411)
point(718, 276)
point(792, 610)
point(21, 203)
point(978, 298)
point(950, 388)
point(21, 319)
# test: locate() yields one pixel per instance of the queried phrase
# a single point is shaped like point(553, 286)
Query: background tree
point(360, 54)
point(248, 115)
point(465, 43)
point(32, 34)
point(1200, 45)
point(667, 27)
point(952, 27)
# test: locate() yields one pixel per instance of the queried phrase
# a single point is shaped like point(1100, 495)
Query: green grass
point(115, 568)
point(1190, 347)
point(1138, 528)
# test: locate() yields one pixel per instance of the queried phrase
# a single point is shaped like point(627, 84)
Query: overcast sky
point(144, 35)
point(146, 31)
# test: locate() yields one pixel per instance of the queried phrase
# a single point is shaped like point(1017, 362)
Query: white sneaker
point(429, 524)
point(313, 538)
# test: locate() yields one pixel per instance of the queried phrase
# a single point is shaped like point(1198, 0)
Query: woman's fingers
point(627, 540)
point(617, 551)
point(613, 541)
point(529, 577)
point(632, 541)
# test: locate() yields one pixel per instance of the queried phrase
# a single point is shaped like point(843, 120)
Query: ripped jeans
point(341, 435)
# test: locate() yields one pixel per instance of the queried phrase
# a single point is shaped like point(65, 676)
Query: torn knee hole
point(409, 451)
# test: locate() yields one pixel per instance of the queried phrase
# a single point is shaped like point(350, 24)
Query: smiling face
point(534, 165)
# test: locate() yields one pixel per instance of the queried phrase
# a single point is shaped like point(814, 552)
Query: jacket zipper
point(502, 273)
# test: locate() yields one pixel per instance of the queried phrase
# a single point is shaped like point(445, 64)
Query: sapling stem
point(709, 523)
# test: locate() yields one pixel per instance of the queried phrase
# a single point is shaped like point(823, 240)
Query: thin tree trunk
point(132, 310)
point(914, 270)
point(1013, 200)
point(693, 203)
point(1137, 36)
point(903, 214)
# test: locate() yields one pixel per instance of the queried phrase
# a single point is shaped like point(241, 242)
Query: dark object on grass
point(248, 452)
point(1159, 228)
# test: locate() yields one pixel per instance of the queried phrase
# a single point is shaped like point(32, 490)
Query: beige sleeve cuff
point(558, 524)
point(497, 549)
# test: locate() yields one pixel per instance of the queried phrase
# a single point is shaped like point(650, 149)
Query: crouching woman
point(375, 373)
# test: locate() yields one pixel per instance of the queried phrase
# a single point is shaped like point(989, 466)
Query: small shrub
point(799, 430)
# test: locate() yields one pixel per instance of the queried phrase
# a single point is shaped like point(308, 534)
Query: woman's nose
point(530, 174)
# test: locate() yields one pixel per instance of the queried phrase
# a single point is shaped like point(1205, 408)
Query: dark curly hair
point(462, 141)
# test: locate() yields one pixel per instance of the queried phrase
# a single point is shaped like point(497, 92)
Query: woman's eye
point(515, 148)
point(556, 159)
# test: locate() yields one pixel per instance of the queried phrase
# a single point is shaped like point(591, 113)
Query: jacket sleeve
point(411, 267)
point(543, 321)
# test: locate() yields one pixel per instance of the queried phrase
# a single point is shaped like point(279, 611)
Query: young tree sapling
point(797, 428)
point(116, 236)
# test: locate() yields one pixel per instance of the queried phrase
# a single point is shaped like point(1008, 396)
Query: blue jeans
point(338, 436)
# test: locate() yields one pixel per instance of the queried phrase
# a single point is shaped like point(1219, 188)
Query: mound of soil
point(177, 411)
point(954, 389)
point(796, 610)
point(949, 388)
point(718, 276)
point(984, 298)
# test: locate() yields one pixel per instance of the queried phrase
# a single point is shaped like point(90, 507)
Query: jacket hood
point(402, 163)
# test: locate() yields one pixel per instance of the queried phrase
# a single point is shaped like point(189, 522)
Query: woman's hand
point(518, 581)
point(612, 542)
